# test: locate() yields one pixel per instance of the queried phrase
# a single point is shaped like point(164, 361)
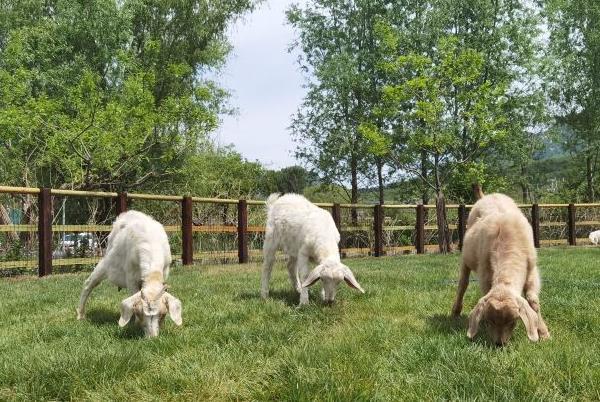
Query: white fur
point(305, 233)
point(137, 258)
point(595, 237)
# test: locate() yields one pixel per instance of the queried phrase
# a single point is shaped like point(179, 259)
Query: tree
point(337, 43)
point(462, 80)
point(109, 94)
point(220, 173)
point(434, 119)
point(292, 179)
point(574, 79)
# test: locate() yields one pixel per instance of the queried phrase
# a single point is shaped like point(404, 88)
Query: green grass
point(396, 342)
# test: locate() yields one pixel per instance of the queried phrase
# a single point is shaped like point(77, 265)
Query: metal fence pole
point(242, 229)
point(462, 224)
point(187, 241)
point(45, 232)
point(535, 224)
point(571, 225)
point(121, 202)
point(420, 230)
point(378, 228)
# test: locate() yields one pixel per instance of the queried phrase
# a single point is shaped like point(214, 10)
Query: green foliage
point(336, 40)
point(220, 173)
point(378, 144)
point(573, 76)
point(460, 91)
point(446, 108)
point(111, 95)
point(456, 81)
point(293, 179)
point(327, 193)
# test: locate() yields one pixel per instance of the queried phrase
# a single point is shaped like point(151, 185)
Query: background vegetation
point(406, 100)
point(430, 96)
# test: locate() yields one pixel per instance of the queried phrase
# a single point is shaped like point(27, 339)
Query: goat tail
point(272, 198)
point(477, 191)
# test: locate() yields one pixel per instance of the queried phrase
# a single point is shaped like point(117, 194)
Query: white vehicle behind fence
point(84, 243)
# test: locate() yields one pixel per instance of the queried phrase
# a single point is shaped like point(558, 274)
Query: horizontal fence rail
point(46, 228)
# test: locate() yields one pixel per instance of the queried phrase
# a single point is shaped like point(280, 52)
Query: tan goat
point(498, 247)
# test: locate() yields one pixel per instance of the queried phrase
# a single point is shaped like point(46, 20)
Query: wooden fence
point(227, 230)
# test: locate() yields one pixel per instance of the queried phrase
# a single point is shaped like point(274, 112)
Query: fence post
point(535, 224)
point(187, 241)
point(336, 214)
point(121, 202)
point(378, 228)
point(420, 230)
point(45, 232)
point(242, 229)
point(462, 224)
point(571, 225)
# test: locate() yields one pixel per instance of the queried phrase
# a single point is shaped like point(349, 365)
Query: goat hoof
point(535, 305)
point(80, 315)
point(544, 335)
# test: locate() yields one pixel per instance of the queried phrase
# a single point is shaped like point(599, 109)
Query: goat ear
point(351, 280)
point(529, 318)
point(127, 309)
point(313, 276)
point(174, 307)
point(475, 317)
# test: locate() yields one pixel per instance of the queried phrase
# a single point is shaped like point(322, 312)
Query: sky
point(266, 86)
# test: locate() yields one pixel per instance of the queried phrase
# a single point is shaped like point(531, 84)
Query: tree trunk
point(440, 209)
point(380, 181)
point(29, 218)
point(524, 193)
point(224, 211)
point(589, 178)
point(477, 192)
point(524, 186)
point(5, 220)
point(442, 224)
point(354, 189)
point(425, 194)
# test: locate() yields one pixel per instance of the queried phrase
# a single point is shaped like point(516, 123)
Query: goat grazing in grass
point(137, 258)
point(499, 247)
point(306, 233)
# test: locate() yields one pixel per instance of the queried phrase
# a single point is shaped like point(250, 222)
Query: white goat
point(498, 246)
point(137, 258)
point(306, 233)
point(595, 237)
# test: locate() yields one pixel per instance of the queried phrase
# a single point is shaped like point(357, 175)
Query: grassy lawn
point(396, 342)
